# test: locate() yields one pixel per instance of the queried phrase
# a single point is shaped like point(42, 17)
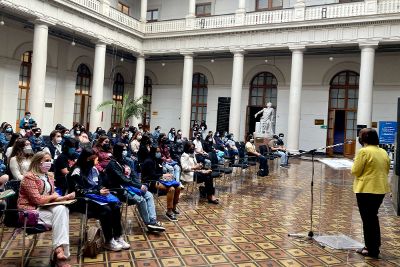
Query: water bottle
point(129, 227)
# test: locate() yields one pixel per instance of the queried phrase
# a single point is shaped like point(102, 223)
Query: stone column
point(38, 74)
point(186, 109)
point(236, 93)
point(364, 110)
point(240, 13)
point(98, 85)
point(296, 84)
point(241, 6)
point(143, 11)
point(139, 84)
point(192, 9)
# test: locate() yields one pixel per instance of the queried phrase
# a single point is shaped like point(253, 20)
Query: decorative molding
point(342, 66)
point(265, 68)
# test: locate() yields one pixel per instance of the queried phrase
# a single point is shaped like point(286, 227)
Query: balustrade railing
point(267, 17)
point(166, 26)
point(90, 4)
point(335, 11)
point(123, 19)
point(388, 6)
point(214, 22)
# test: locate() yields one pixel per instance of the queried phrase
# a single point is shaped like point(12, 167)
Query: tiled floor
point(249, 228)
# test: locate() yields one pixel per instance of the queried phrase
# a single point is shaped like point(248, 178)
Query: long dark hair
point(82, 161)
point(18, 150)
point(117, 151)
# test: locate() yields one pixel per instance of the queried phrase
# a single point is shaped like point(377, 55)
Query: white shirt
point(18, 170)
point(198, 146)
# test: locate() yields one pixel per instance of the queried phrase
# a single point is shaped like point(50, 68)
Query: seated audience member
point(3, 177)
point(76, 130)
point(251, 151)
point(201, 155)
point(231, 146)
point(279, 150)
point(20, 158)
point(10, 145)
point(5, 136)
point(178, 137)
point(140, 127)
point(169, 165)
point(84, 141)
point(171, 135)
point(135, 143)
point(64, 163)
point(99, 132)
point(103, 150)
point(209, 142)
point(192, 170)
point(37, 188)
point(219, 144)
point(86, 182)
point(203, 129)
point(65, 134)
point(55, 147)
point(27, 121)
point(37, 140)
point(195, 128)
point(124, 137)
point(120, 175)
point(152, 170)
point(144, 148)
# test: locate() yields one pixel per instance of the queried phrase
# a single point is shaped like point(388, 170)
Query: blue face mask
point(67, 135)
point(9, 130)
point(124, 153)
point(158, 155)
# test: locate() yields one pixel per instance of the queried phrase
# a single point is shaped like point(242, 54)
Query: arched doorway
point(342, 114)
point(199, 98)
point(147, 93)
point(82, 96)
point(118, 95)
point(24, 85)
point(263, 89)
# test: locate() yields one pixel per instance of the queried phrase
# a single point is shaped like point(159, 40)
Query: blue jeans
point(146, 207)
point(284, 157)
point(175, 170)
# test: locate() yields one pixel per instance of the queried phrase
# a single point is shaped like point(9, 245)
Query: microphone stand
point(312, 152)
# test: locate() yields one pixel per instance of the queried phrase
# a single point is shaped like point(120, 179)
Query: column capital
point(100, 41)
point(187, 53)
point(299, 48)
point(237, 51)
point(44, 21)
point(370, 44)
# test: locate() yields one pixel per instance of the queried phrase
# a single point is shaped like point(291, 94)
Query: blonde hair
point(36, 160)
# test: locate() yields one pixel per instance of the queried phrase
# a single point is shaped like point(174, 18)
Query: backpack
point(94, 242)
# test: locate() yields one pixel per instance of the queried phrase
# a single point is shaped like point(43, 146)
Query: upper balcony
point(273, 18)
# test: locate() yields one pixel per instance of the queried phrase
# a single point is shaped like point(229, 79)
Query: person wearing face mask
point(10, 145)
point(119, 174)
point(37, 188)
point(5, 136)
point(36, 140)
point(169, 165)
point(156, 134)
point(26, 120)
point(124, 138)
point(209, 142)
point(279, 150)
point(251, 150)
point(231, 146)
point(135, 143)
point(85, 181)
point(201, 155)
point(20, 158)
point(178, 137)
point(191, 170)
point(64, 163)
point(171, 135)
point(152, 172)
point(76, 130)
point(103, 150)
point(54, 146)
point(219, 144)
point(65, 134)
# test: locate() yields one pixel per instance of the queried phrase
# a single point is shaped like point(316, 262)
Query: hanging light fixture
point(163, 64)
point(212, 60)
point(266, 60)
point(331, 58)
point(73, 40)
point(2, 21)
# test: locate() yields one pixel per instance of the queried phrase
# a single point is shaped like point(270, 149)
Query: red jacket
point(31, 191)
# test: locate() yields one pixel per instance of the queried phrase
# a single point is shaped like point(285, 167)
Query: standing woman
point(37, 188)
point(20, 158)
point(371, 169)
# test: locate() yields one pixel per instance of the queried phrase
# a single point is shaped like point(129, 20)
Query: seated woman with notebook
point(37, 189)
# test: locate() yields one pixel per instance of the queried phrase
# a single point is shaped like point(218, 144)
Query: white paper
point(338, 164)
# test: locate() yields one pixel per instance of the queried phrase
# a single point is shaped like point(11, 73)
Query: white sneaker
point(113, 245)
point(123, 243)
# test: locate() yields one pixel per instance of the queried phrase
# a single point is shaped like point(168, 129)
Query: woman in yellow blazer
point(371, 169)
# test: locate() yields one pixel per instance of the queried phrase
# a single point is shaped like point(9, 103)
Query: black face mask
point(191, 150)
point(90, 164)
point(198, 137)
point(163, 140)
point(37, 134)
point(106, 147)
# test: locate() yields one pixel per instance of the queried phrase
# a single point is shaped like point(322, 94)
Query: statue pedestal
point(261, 139)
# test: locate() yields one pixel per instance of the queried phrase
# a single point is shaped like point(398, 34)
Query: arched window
point(263, 89)
point(199, 97)
point(147, 93)
point(24, 84)
point(82, 96)
point(342, 117)
point(118, 95)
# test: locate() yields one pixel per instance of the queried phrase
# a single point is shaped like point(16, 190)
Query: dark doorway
point(251, 121)
point(338, 135)
point(224, 107)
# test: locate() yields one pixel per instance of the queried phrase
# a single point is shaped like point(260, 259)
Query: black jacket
point(116, 176)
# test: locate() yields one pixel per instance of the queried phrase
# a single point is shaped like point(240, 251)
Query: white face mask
point(58, 140)
point(124, 153)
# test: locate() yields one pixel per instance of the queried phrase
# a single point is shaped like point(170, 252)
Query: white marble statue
point(267, 120)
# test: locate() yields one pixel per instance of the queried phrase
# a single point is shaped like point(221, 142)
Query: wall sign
point(387, 132)
point(319, 122)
